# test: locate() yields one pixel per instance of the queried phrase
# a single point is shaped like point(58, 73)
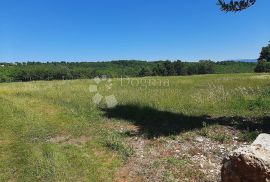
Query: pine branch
point(234, 6)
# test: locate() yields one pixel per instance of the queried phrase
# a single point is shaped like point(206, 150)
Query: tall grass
point(34, 113)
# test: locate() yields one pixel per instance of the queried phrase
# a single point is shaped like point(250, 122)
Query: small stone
point(199, 139)
point(201, 166)
point(235, 138)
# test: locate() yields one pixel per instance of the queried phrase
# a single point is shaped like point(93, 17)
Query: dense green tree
point(263, 66)
point(159, 69)
point(206, 67)
point(192, 69)
point(235, 5)
point(29, 71)
point(145, 71)
point(169, 68)
point(264, 60)
point(265, 54)
point(179, 67)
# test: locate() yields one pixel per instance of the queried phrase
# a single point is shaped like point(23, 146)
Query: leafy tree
point(179, 67)
point(265, 53)
point(145, 71)
point(192, 69)
point(234, 5)
point(264, 60)
point(206, 67)
point(169, 68)
point(263, 66)
point(159, 69)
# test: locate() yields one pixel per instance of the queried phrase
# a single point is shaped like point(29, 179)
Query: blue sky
point(96, 30)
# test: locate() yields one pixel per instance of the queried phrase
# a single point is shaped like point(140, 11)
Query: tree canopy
point(265, 53)
point(30, 71)
point(264, 60)
point(234, 6)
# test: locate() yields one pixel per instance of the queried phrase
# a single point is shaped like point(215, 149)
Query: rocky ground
point(190, 156)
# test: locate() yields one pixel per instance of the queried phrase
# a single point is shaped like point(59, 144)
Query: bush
point(263, 66)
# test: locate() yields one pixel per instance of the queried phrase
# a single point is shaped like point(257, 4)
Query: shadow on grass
point(155, 123)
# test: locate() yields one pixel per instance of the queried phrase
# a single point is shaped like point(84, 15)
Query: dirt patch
point(124, 176)
point(68, 140)
point(121, 126)
point(185, 157)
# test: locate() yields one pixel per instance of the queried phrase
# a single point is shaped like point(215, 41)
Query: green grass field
point(53, 131)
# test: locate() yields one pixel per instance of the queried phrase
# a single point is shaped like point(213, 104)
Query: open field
point(162, 129)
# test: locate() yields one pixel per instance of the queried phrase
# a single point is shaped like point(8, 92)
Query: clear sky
point(96, 30)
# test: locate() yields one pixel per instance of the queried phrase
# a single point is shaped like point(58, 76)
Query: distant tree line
point(29, 71)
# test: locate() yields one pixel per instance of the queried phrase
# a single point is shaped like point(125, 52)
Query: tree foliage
point(71, 70)
point(264, 60)
point(265, 53)
point(234, 6)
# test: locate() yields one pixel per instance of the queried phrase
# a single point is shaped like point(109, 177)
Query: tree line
point(29, 71)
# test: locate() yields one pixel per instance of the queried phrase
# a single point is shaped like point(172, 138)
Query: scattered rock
point(153, 158)
point(199, 139)
point(235, 138)
point(248, 163)
point(201, 165)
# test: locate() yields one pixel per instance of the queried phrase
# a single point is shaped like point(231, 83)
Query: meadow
point(159, 129)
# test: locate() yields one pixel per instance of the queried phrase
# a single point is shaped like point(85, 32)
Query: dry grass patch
point(68, 140)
